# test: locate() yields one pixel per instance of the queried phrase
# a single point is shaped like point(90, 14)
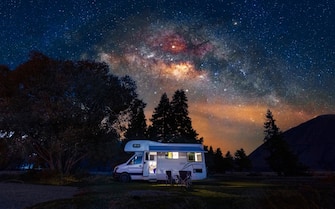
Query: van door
point(150, 164)
point(135, 165)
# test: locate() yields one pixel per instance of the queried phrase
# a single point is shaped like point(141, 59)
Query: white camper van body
point(152, 159)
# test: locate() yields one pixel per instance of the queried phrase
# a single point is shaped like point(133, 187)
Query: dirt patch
point(20, 195)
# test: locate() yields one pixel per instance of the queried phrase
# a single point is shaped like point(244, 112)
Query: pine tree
point(280, 159)
point(228, 162)
point(242, 161)
point(181, 125)
point(160, 129)
point(271, 129)
point(209, 157)
point(218, 161)
point(137, 124)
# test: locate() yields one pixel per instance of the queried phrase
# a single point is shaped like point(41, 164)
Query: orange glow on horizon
point(231, 127)
point(237, 126)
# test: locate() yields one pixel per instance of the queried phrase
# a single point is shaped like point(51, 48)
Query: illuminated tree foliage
point(58, 109)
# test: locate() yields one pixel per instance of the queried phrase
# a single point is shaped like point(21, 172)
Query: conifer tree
point(209, 157)
point(228, 162)
point(160, 129)
point(280, 159)
point(137, 125)
point(242, 161)
point(271, 129)
point(218, 160)
point(181, 125)
point(170, 121)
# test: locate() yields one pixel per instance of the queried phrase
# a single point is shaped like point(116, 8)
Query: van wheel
point(124, 177)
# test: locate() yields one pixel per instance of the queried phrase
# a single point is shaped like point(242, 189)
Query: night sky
point(234, 59)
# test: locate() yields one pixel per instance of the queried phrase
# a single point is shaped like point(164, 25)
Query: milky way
point(234, 60)
point(229, 85)
point(165, 55)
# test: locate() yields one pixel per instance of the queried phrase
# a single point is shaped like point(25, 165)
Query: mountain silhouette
point(313, 142)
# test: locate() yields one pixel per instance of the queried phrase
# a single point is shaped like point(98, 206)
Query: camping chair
point(184, 178)
point(169, 179)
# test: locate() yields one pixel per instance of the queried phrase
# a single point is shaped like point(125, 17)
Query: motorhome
point(152, 159)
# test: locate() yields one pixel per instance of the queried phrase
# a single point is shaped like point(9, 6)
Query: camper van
point(152, 159)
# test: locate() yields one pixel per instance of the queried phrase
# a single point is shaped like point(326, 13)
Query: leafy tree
point(5, 154)
point(4, 160)
point(242, 161)
point(58, 109)
point(4, 82)
point(12, 153)
point(160, 129)
point(181, 125)
point(280, 159)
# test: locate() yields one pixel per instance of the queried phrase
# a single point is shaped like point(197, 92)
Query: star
point(234, 59)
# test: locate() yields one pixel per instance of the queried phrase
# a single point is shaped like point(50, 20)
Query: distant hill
point(313, 142)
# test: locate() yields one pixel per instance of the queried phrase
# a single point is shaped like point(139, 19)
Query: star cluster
point(235, 59)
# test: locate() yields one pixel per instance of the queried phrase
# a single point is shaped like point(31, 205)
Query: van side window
point(172, 155)
point(135, 160)
point(194, 157)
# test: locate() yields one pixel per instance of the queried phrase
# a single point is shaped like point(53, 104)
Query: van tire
point(124, 178)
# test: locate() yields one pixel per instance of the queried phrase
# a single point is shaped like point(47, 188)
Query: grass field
point(233, 192)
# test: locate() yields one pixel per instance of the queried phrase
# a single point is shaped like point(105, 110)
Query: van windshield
point(135, 160)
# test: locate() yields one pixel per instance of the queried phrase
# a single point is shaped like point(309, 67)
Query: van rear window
point(194, 156)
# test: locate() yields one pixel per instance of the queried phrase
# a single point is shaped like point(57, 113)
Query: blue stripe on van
point(175, 149)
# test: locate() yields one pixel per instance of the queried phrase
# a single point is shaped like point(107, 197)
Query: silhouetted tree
point(137, 125)
point(242, 161)
point(63, 110)
point(218, 161)
point(5, 87)
point(4, 152)
point(228, 162)
point(271, 129)
point(160, 129)
point(181, 124)
point(170, 121)
point(209, 157)
point(280, 159)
